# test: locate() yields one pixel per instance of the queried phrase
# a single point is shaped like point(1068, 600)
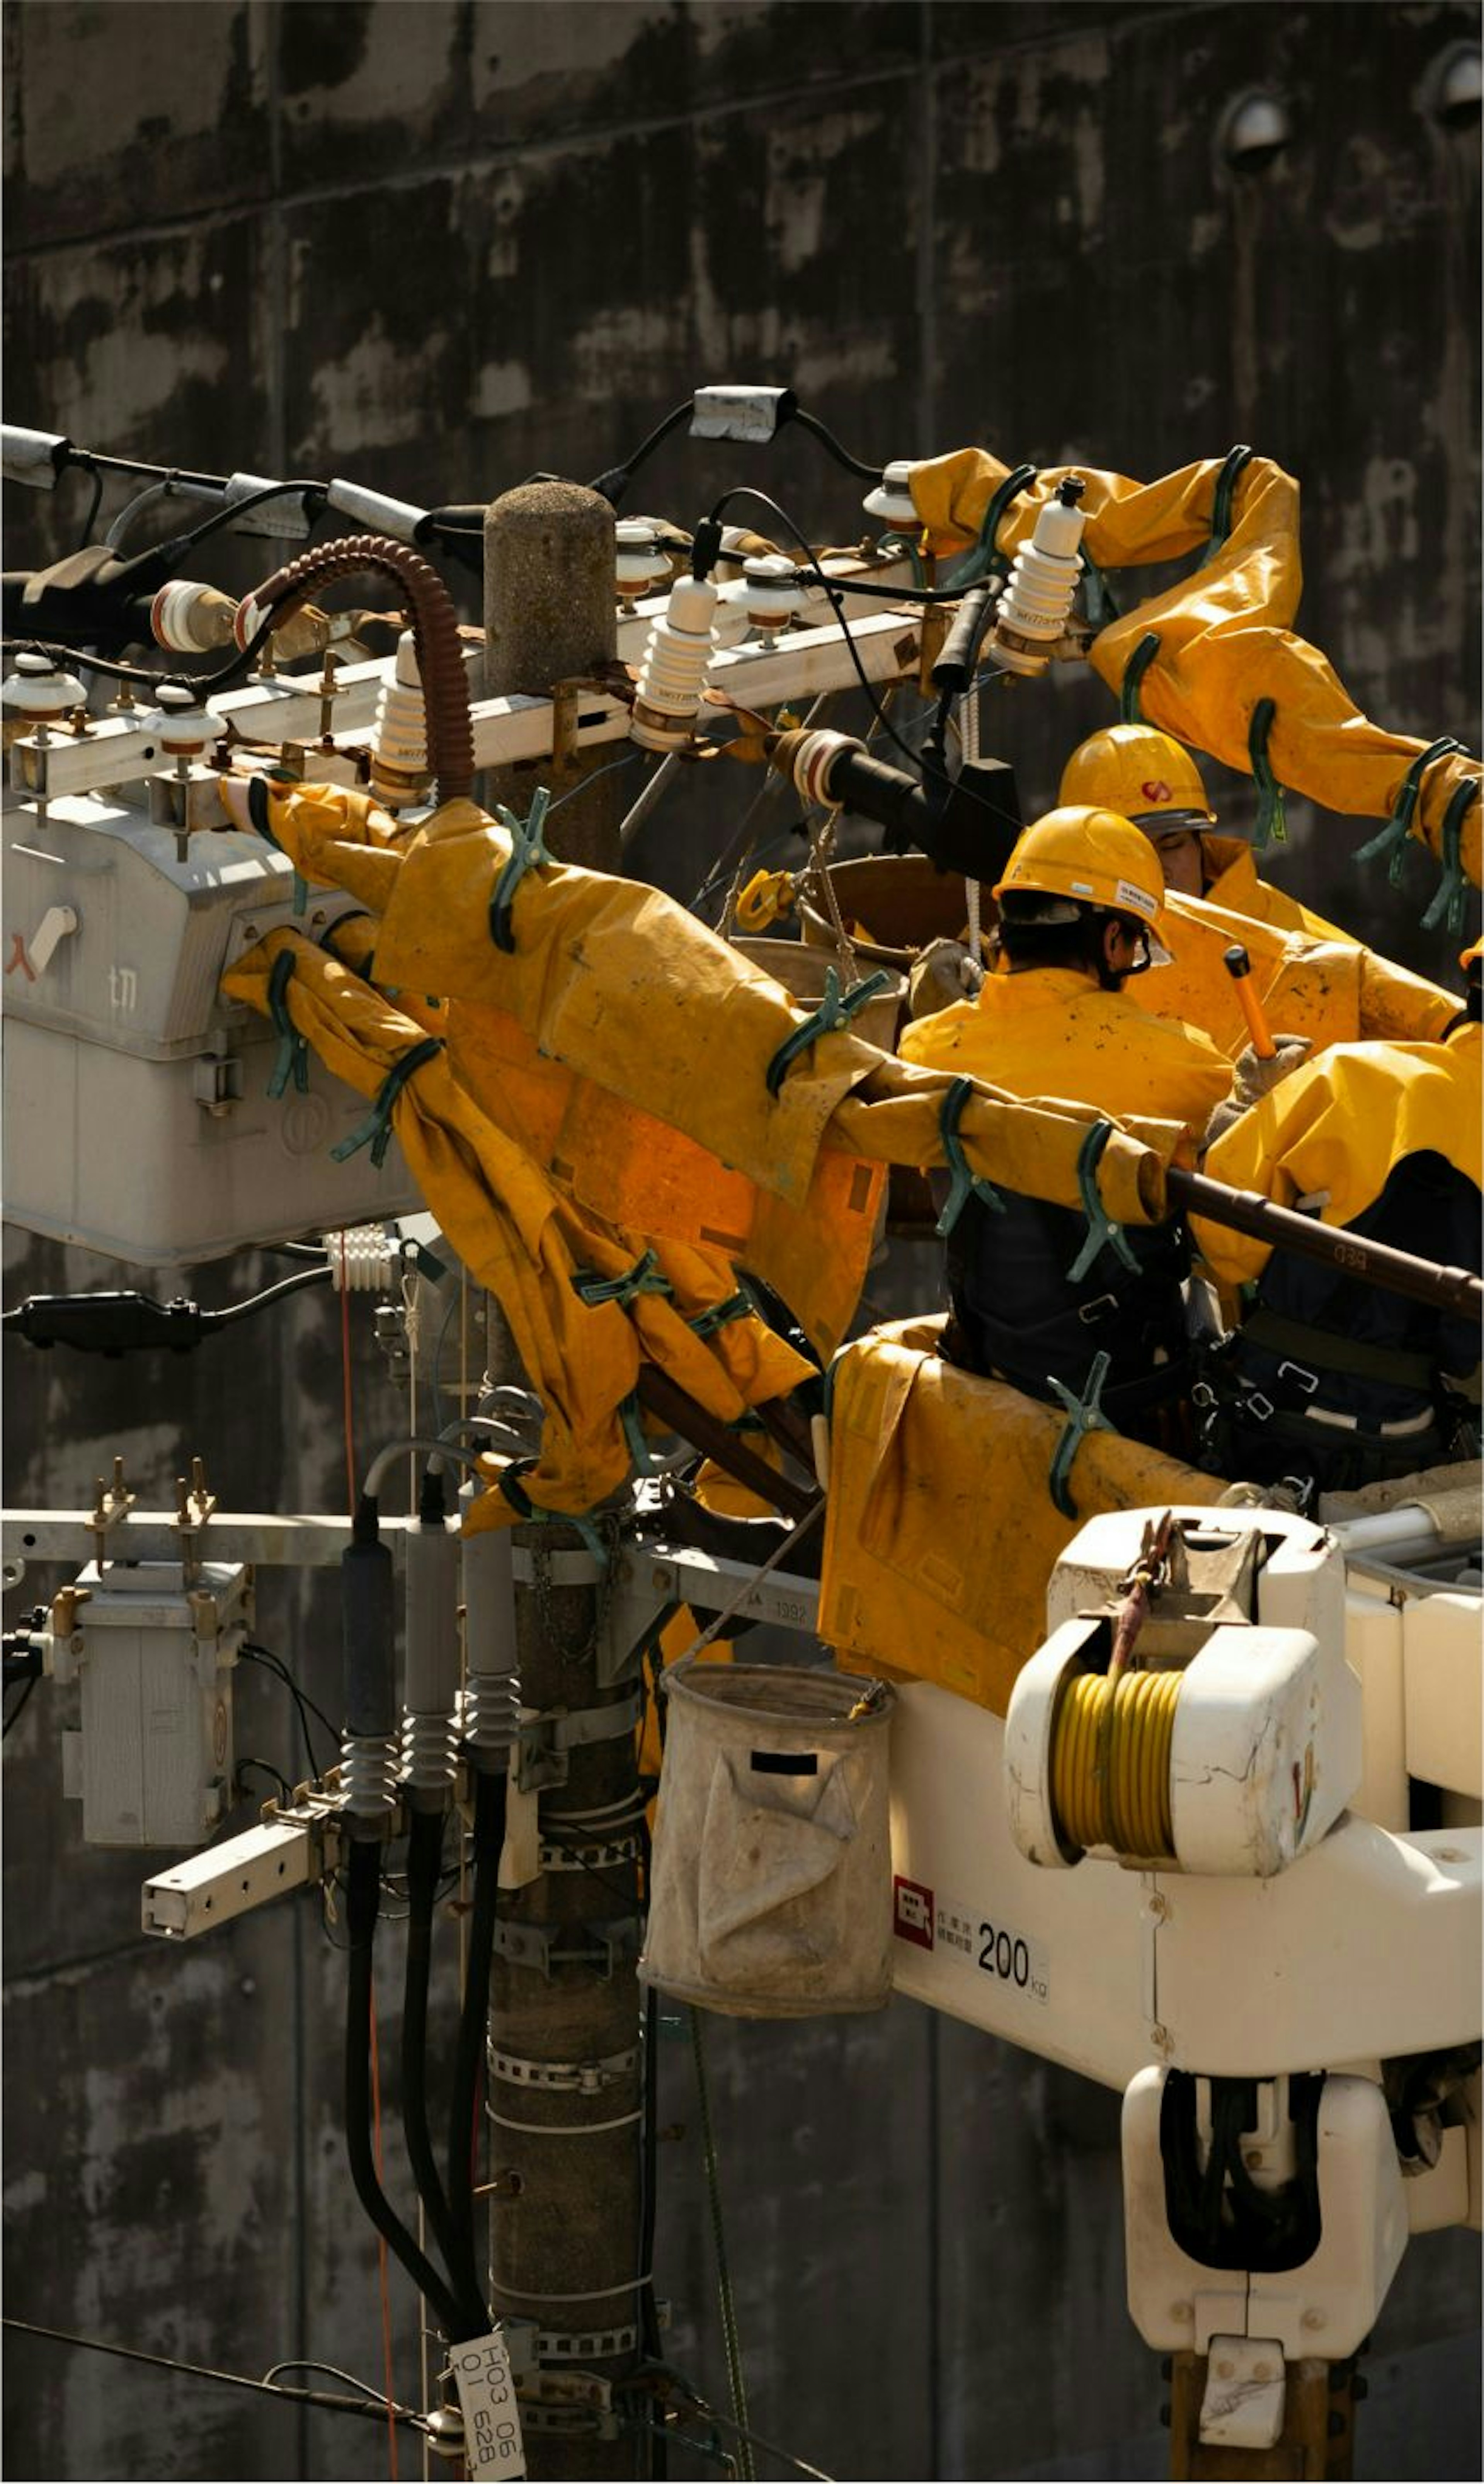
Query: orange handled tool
point(1239, 966)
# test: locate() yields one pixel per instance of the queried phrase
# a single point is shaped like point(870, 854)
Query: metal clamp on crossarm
point(545, 1741)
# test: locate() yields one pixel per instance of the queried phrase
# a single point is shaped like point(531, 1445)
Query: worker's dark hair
point(1078, 944)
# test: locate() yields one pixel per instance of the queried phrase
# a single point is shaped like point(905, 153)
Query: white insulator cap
point(190, 618)
point(673, 673)
point(399, 751)
point(892, 497)
point(640, 563)
point(39, 688)
point(363, 1259)
point(180, 725)
point(773, 593)
point(1037, 602)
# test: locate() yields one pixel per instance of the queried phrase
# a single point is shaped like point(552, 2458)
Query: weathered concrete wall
point(437, 245)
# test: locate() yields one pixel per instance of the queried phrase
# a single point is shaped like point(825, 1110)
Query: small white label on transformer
point(492, 2421)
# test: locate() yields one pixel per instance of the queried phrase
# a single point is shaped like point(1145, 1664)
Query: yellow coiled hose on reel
point(1110, 1762)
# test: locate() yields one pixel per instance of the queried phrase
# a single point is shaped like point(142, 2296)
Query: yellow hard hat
point(1092, 856)
point(1139, 772)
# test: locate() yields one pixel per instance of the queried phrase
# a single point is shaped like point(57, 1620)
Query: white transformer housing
point(137, 1118)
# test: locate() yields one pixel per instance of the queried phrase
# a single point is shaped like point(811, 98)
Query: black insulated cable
point(474, 2020)
point(424, 1863)
point(131, 1323)
point(362, 1900)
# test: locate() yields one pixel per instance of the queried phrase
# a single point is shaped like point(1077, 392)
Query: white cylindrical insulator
point(362, 1259)
point(431, 1674)
point(38, 689)
point(369, 1775)
point(640, 563)
point(489, 1600)
point(491, 1720)
point(190, 618)
point(183, 728)
point(773, 594)
point(1033, 610)
point(399, 751)
point(430, 1756)
point(892, 497)
point(673, 673)
point(731, 622)
point(813, 758)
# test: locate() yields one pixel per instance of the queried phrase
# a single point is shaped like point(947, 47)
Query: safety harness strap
point(1322, 1350)
point(520, 1502)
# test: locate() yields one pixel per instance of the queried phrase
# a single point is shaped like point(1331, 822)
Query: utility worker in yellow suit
point(1154, 780)
point(1332, 1382)
point(1079, 903)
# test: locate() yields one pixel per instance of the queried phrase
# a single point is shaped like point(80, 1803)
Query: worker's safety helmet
point(1082, 855)
point(1141, 774)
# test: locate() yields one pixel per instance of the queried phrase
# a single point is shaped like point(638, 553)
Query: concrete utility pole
point(566, 2073)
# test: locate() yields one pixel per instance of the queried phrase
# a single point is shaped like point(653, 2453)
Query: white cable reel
point(667, 698)
point(1035, 607)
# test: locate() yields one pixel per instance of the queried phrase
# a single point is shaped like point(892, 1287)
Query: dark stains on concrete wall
point(437, 245)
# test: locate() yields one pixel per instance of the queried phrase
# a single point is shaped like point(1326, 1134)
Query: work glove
point(1253, 1078)
point(944, 973)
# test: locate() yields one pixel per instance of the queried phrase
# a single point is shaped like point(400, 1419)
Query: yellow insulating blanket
point(627, 991)
point(1333, 990)
point(527, 1243)
point(940, 1529)
point(1338, 1127)
point(1226, 635)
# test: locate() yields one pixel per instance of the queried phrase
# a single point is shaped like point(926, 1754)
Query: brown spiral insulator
point(435, 635)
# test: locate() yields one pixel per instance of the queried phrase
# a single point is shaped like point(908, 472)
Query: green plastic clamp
point(967, 1183)
point(984, 561)
point(1451, 896)
point(1084, 1414)
point(293, 1053)
point(645, 1276)
point(1098, 601)
point(1102, 1228)
point(528, 852)
point(1130, 706)
point(1392, 840)
point(1220, 501)
point(736, 1306)
point(375, 1131)
point(260, 813)
point(833, 1012)
point(525, 1507)
point(1270, 821)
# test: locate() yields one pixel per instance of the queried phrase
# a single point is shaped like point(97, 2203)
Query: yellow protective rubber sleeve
point(1322, 986)
point(1226, 639)
point(1338, 1125)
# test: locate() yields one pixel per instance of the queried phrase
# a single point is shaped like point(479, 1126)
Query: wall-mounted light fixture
point(1454, 85)
point(1254, 127)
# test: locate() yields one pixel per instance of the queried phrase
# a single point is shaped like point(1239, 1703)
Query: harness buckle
point(1259, 1408)
point(1102, 1307)
point(1203, 1396)
point(1307, 1380)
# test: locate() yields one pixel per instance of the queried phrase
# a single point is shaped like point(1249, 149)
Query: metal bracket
point(603, 1946)
point(608, 1855)
point(563, 2078)
point(545, 1741)
point(568, 2403)
point(576, 2345)
point(558, 1569)
point(565, 701)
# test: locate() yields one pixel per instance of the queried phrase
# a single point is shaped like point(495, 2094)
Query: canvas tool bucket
point(771, 1880)
point(800, 968)
point(901, 902)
